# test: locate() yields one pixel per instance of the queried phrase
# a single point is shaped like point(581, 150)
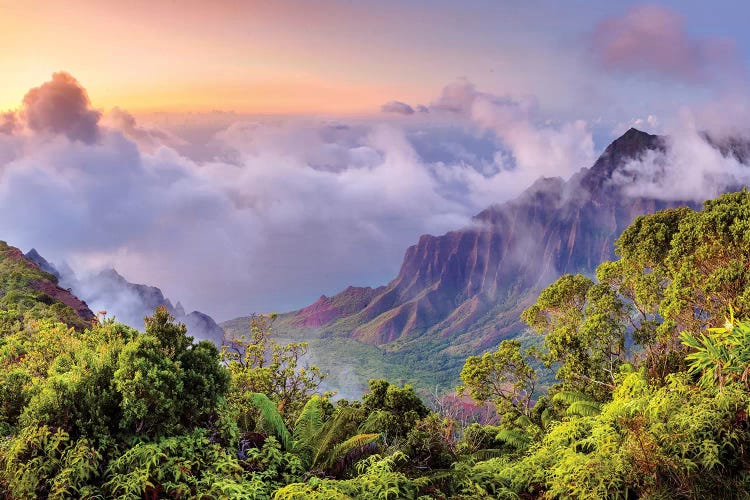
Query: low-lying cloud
point(693, 167)
point(265, 214)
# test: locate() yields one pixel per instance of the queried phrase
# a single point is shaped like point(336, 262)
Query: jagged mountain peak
point(33, 255)
point(112, 274)
point(631, 145)
point(462, 292)
point(43, 264)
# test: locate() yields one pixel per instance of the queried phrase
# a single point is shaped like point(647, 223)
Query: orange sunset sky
point(285, 56)
point(351, 56)
point(245, 56)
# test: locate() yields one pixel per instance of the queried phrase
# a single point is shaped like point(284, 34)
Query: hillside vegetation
point(650, 400)
point(26, 291)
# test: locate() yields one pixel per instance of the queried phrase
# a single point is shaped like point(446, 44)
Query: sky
point(251, 156)
point(349, 56)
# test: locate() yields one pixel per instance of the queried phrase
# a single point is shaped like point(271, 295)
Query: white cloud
point(269, 214)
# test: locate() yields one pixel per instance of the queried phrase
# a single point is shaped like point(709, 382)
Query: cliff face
point(466, 288)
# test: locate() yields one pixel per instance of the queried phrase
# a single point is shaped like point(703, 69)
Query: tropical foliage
point(651, 397)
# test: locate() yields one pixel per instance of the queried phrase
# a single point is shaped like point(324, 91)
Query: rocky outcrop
point(40, 261)
point(64, 296)
point(203, 327)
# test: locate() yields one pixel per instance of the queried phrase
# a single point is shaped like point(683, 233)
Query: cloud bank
point(259, 215)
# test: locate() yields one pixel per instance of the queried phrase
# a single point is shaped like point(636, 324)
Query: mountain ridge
point(447, 282)
point(129, 302)
point(462, 292)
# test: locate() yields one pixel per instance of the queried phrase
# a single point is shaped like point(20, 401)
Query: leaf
point(352, 446)
point(272, 420)
point(515, 438)
point(310, 422)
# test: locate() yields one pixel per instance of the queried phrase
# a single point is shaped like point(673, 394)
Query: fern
point(578, 403)
point(334, 431)
point(355, 445)
point(309, 423)
point(515, 438)
point(272, 420)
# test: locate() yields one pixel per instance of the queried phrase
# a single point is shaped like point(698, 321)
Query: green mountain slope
point(26, 291)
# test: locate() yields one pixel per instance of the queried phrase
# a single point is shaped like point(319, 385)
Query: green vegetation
point(650, 400)
point(23, 296)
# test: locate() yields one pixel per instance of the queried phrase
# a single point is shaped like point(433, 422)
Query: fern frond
point(578, 403)
point(584, 408)
point(310, 421)
point(487, 454)
point(377, 420)
point(272, 420)
point(569, 397)
point(433, 478)
point(354, 448)
point(334, 431)
point(515, 438)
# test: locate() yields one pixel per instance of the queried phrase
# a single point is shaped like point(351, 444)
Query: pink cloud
point(652, 39)
point(8, 123)
point(62, 106)
point(397, 107)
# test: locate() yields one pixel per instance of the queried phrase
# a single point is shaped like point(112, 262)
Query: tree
point(392, 411)
point(155, 371)
point(679, 270)
point(259, 364)
point(584, 330)
point(709, 266)
point(503, 377)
